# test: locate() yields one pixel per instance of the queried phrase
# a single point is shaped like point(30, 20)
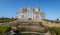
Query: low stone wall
point(51, 24)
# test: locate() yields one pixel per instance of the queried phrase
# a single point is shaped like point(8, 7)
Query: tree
point(57, 19)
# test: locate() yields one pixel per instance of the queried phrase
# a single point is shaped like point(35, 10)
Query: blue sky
point(51, 8)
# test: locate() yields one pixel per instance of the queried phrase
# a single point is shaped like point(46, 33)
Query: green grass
point(55, 29)
point(3, 28)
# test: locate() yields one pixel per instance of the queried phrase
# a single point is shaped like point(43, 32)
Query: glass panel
point(29, 15)
point(37, 16)
point(22, 16)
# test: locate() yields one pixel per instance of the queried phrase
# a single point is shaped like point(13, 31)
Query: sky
point(51, 8)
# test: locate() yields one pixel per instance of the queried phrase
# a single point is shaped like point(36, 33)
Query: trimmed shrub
point(3, 29)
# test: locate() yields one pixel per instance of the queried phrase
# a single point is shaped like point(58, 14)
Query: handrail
point(22, 33)
point(33, 32)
